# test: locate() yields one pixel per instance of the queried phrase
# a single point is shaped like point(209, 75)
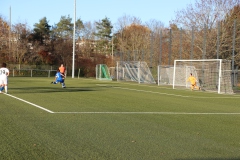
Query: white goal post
point(137, 71)
point(211, 74)
point(102, 72)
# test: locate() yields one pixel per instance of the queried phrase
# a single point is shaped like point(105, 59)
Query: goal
point(137, 71)
point(102, 72)
point(211, 74)
point(165, 75)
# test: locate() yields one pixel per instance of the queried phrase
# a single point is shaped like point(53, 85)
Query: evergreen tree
point(64, 27)
point(41, 30)
point(103, 34)
point(79, 28)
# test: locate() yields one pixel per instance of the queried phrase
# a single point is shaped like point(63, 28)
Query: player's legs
point(1, 88)
point(195, 86)
point(1, 85)
point(63, 84)
point(56, 82)
point(4, 83)
point(192, 87)
point(6, 88)
point(59, 81)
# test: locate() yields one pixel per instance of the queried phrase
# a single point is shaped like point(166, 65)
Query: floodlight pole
point(74, 26)
point(174, 73)
point(10, 29)
point(219, 76)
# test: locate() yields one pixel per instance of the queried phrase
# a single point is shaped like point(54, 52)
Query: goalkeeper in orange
point(193, 82)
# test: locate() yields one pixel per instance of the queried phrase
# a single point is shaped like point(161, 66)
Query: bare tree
point(200, 25)
point(230, 36)
point(125, 21)
point(20, 44)
point(86, 43)
point(4, 39)
point(207, 12)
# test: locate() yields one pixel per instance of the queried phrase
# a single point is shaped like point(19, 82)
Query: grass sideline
point(94, 119)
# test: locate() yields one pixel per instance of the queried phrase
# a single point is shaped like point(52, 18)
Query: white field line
point(30, 103)
point(162, 113)
point(161, 93)
point(169, 113)
point(162, 87)
point(143, 91)
point(166, 113)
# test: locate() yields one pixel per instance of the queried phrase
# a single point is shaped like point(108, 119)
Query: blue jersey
point(59, 77)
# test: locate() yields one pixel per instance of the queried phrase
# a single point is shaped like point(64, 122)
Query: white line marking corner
point(47, 110)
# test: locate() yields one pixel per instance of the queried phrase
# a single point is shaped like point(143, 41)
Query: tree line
point(207, 29)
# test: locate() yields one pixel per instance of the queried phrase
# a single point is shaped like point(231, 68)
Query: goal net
point(134, 71)
point(165, 75)
point(211, 74)
point(102, 72)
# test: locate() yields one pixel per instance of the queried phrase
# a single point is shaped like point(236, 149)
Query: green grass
point(94, 119)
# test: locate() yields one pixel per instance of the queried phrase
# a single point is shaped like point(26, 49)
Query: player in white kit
point(4, 73)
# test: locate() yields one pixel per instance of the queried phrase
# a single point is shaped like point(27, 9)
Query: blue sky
point(31, 11)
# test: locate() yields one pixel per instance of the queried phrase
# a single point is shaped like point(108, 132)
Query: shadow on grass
point(53, 89)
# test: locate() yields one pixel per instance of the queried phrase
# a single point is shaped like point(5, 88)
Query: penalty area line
point(123, 88)
point(168, 94)
point(47, 110)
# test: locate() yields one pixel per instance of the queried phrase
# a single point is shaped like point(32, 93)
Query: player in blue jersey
point(59, 78)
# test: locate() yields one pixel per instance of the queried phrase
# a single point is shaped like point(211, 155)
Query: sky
point(31, 11)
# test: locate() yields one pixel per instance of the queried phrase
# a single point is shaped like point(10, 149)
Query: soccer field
point(108, 120)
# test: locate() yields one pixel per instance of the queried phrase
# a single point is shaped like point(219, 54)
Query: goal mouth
point(212, 75)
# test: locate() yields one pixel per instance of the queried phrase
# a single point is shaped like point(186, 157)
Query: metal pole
point(218, 33)
point(74, 26)
point(160, 56)
point(204, 41)
point(174, 72)
point(219, 76)
point(170, 47)
point(10, 29)
point(151, 56)
point(139, 72)
point(233, 51)
point(112, 47)
point(117, 71)
point(192, 44)
point(180, 43)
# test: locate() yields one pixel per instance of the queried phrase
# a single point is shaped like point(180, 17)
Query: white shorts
point(3, 80)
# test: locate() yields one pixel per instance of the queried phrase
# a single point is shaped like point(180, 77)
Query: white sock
point(6, 89)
